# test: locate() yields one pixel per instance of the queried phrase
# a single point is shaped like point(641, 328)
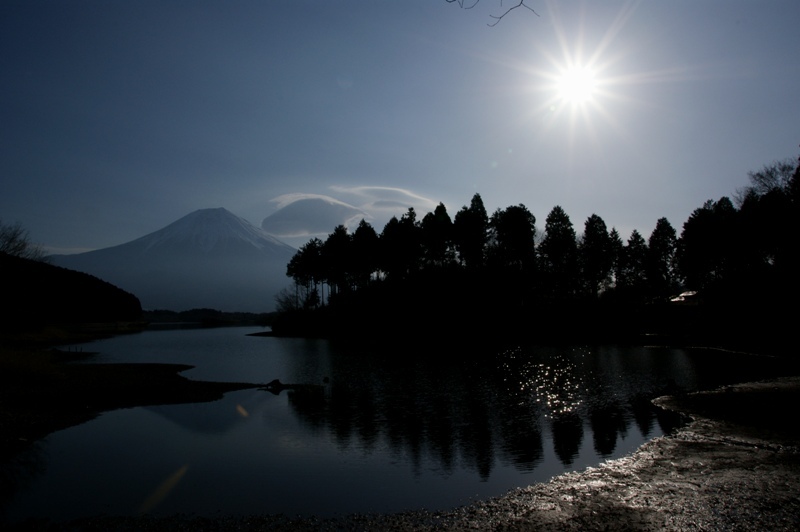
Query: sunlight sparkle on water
point(556, 387)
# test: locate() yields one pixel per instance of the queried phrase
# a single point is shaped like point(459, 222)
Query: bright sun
point(579, 79)
point(576, 85)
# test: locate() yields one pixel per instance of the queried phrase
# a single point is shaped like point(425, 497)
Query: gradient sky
point(119, 117)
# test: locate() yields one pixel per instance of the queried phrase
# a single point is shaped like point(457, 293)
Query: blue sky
point(117, 118)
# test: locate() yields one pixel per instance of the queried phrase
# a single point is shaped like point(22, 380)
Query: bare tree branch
point(509, 10)
point(463, 5)
point(14, 241)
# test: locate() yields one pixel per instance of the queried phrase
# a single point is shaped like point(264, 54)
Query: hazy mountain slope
point(208, 258)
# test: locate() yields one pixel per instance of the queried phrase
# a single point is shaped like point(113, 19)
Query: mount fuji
point(210, 258)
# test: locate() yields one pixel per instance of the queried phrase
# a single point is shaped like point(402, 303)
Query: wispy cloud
point(287, 199)
point(300, 216)
point(381, 203)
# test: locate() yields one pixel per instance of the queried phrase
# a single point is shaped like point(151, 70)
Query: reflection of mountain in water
point(478, 412)
point(215, 417)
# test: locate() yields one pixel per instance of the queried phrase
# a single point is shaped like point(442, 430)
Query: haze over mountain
point(209, 258)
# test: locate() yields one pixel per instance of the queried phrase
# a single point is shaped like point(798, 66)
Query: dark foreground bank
point(734, 467)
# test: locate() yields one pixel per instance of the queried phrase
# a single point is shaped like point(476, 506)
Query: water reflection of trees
point(567, 431)
point(477, 412)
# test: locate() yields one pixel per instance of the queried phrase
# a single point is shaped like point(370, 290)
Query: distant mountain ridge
point(208, 258)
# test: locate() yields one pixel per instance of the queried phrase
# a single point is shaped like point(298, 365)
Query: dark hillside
point(36, 293)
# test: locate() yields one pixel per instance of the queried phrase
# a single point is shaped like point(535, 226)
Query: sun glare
point(576, 85)
point(578, 81)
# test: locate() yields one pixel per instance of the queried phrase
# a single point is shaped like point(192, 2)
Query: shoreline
point(714, 474)
point(735, 466)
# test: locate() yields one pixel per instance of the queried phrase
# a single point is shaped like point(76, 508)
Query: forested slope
point(37, 293)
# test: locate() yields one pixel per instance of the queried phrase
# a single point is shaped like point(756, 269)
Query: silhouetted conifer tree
point(596, 258)
point(768, 221)
point(337, 260)
point(616, 247)
point(558, 254)
point(470, 233)
point(661, 248)
point(401, 248)
point(512, 235)
point(436, 234)
point(364, 254)
point(511, 253)
point(706, 245)
point(633, 279)
point(307, 270)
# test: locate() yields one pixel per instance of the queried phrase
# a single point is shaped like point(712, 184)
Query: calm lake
point(383, 431)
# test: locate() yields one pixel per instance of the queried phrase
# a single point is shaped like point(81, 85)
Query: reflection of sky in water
point(382, 434)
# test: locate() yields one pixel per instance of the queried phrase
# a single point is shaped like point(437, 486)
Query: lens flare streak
point(163, 490)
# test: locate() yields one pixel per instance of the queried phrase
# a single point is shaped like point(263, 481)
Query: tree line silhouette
point(499, 273)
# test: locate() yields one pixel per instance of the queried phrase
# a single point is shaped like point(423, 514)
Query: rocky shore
point(735, 466)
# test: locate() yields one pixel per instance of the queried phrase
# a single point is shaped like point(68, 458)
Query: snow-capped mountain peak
point(209, 229)
point(208, 258)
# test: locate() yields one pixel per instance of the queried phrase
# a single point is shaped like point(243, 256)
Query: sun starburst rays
point(577, 86)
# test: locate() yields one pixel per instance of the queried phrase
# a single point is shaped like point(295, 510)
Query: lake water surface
point(384, 430)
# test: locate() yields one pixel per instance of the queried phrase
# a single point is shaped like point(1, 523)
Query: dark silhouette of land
point(37, 294)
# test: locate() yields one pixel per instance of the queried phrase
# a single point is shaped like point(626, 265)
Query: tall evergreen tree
point(365, 245)
point(634, 258)
point(768, 224)
point(307, 271)
point(661, 248)
point(337, 260)
point(401, 248)
point(707, 245)
point(513, 232)
point(558, 254)
point(510, 257)
point(616, 248)
point(470, 233)
point(436, 234)
point(596, 259)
